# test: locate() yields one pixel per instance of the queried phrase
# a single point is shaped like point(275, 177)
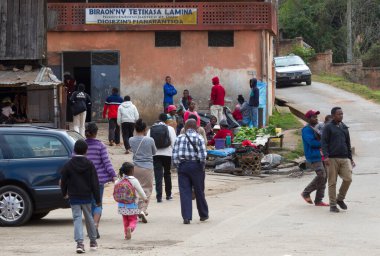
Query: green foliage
point(372, 57)
point(319, 22)
point(286, 121)
point(246, 133)
point(322, 24)
point(305, 53)
point(344, 84)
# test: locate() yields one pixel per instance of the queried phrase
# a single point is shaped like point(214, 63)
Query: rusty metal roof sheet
point(43, 77)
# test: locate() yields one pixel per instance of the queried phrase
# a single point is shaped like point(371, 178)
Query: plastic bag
point(271, 161)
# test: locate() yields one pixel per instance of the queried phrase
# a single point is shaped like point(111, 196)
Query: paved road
point(257, 217)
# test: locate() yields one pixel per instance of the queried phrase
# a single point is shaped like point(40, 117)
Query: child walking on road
point(125, 193)
point(80, 184)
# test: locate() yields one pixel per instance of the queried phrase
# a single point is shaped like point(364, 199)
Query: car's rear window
point(289, 61)
point(34, 146)
point(74, 135)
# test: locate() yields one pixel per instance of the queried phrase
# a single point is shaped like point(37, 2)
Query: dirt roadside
point(54, 233)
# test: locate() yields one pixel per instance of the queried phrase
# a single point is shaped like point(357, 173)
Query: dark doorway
point(78, 64)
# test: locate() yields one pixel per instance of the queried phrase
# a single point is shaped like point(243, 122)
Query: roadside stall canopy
point(37, 92)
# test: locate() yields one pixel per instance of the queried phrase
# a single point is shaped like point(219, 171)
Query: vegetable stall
point(245, 155)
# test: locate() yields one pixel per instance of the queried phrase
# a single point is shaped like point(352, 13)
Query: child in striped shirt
point(97, 154)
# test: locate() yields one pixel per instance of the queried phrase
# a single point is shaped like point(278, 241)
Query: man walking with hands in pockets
point(189, 156)
point(336, 146)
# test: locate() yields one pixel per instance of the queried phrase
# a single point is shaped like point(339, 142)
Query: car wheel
point(308, 82)
point(39, 215)
point(15, 206)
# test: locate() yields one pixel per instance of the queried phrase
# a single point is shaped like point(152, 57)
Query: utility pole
point(349, 31)
point(278, 29)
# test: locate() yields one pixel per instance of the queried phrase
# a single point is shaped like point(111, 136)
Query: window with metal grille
point(220, 38)
point(105, 58)
point(168, 39)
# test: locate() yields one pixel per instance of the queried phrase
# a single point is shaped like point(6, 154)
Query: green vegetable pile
point(246, 133)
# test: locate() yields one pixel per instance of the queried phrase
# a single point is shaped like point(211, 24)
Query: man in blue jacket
point(169, 92)
point(254, 102)
point(312, 149)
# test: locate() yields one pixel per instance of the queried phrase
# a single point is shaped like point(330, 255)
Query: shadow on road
point(49, 222)
point(283, 86)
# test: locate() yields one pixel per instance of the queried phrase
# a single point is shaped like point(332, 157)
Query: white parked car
point(291, 69)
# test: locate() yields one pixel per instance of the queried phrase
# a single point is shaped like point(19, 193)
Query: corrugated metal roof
point(43, 76)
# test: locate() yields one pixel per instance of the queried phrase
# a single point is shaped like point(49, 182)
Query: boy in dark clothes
point(79, 183)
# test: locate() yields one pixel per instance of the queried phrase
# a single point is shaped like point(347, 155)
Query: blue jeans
point(191, 174)
point(254, 116)
point(98, 209)
point(247, 120)
point(78, 225)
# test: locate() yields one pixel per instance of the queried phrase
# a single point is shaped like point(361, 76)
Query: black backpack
point(160, 135)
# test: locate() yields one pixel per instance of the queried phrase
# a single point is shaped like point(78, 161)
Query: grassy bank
point(298, 151)
point(286, 121)
point(343, 83)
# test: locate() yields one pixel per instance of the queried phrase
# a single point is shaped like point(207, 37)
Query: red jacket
point(217, 95)
point(222, 134)
point(237, 114)
point(111, 106)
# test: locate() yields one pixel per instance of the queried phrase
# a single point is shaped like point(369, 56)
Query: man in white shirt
point(164, 137)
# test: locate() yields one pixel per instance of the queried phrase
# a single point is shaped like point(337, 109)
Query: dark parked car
point(291, 69)
point(30, 162)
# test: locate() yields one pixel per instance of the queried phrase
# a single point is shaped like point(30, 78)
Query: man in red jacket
point(110, 108)
point(217, 99)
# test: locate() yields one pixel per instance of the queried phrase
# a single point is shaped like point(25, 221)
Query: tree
point(323, 24)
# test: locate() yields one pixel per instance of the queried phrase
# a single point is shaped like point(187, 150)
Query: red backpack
point(124, 192)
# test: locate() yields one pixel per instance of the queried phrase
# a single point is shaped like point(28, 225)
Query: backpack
point(160, 135)
point(124, 192)
point(79, 104)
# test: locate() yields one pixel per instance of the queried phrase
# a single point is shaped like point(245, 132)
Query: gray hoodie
point(127, 113)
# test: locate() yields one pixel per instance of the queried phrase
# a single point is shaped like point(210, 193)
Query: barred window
point(221, 38)
point(105, 58)
point(168, 39)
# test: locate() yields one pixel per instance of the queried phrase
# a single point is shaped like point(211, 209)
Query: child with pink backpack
point(126, 193)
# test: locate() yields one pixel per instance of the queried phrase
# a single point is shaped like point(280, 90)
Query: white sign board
point(141, 16)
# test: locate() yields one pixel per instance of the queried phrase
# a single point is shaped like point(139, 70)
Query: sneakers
point(169, 198)
point(186, 221)
point(111, 143)
point(159, 200)
point(342, 205)
point(93, 245)
point(307, 199)
point(203, 218)
point(321, 204)
point(128, 234)
point(80, 248)
point(334, 209)
point(142, 216)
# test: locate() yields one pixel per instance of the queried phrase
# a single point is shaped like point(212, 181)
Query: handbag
point(138, 149)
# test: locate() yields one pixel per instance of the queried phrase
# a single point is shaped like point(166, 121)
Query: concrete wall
point(355, 72)
point(143, 66)
point(321, 63)
point(286, 45)
point(371, 77)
